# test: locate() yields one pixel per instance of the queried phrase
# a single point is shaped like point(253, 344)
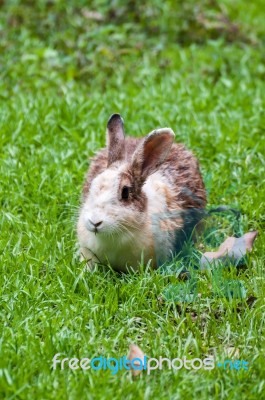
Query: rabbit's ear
point(151, 153)
point(115, 139)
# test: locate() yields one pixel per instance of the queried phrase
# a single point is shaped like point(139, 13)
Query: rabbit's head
point(115, 203)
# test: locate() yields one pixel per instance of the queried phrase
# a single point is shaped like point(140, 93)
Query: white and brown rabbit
point(142, 198)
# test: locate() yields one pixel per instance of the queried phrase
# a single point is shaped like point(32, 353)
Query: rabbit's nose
point(96, 224)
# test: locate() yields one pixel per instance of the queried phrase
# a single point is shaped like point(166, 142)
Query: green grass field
point(63, 72)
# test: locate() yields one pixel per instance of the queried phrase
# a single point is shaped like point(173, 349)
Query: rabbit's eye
point(125, 192)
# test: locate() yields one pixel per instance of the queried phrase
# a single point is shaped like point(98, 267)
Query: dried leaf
point(135, 352)
point(231, 352)
point(232, 249)
point(95, 15)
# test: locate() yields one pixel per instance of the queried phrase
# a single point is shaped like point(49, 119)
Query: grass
point(62, 75)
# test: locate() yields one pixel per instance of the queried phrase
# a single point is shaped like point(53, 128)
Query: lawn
point(64, 70)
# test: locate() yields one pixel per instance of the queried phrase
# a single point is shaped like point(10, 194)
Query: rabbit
point(141, 200)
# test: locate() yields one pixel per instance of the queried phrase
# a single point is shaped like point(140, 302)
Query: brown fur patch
point(136, 199)
point(181, 170)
